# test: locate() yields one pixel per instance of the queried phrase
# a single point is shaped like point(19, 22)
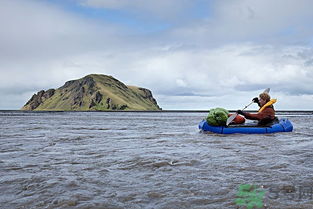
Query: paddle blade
point(231, 118)
point(267, 90)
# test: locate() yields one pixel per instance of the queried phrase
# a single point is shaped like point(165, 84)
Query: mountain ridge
point(93, 92)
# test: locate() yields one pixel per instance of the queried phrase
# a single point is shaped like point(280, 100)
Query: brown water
point(147, 160)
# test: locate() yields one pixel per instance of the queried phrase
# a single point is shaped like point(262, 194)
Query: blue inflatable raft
point(283, 125)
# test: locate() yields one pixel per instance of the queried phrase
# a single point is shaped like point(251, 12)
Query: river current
point(149, 160)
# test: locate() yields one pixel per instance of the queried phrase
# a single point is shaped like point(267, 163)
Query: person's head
point(264, 98)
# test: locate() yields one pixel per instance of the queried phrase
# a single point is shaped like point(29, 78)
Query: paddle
point(232, 117)
point(267, 90)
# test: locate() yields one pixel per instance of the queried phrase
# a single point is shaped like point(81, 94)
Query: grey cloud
point(38, 40)
point(267, 22)
point(306, 55)
point(253, 87)
point(293, 86)
point(288, 88)
point(44, 50)
point(33, 29)
point(188, 93)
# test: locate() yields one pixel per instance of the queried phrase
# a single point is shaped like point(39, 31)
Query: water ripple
point(144, 160)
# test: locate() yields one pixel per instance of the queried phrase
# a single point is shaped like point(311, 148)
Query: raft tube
point(283, 125)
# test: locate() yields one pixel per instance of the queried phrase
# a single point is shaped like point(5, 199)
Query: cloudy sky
point(192, 54)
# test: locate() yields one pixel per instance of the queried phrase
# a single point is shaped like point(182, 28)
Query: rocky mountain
point(93, 92)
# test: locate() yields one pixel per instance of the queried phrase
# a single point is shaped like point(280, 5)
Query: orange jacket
point(267, 114)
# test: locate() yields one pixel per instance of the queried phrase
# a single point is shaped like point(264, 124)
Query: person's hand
point(240, 112)
point(255, 100)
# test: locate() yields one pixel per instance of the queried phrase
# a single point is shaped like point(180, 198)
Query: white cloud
point(264, 21)
point(230, 71)
point(38, 30)
point(38, 38)
point(42, 47)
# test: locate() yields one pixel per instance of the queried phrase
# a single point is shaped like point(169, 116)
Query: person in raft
point(266, 113)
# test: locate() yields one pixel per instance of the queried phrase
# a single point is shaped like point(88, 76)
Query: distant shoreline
point(158, 111)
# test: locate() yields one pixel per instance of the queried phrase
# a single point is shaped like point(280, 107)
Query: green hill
point(93, 92)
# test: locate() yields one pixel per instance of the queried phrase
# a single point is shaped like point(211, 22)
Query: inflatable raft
point(283, 125)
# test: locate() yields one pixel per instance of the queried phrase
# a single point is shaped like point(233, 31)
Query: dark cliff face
point(147, 94)
point(39, 98)
point(79, 89)
point(93, 92)
point(76, 84)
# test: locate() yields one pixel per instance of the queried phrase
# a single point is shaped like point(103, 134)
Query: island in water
point(93, 92)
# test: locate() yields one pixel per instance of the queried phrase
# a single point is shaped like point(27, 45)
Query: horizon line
point(295, 111)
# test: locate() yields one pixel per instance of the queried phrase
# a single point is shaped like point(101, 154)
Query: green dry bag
point(217, 117)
